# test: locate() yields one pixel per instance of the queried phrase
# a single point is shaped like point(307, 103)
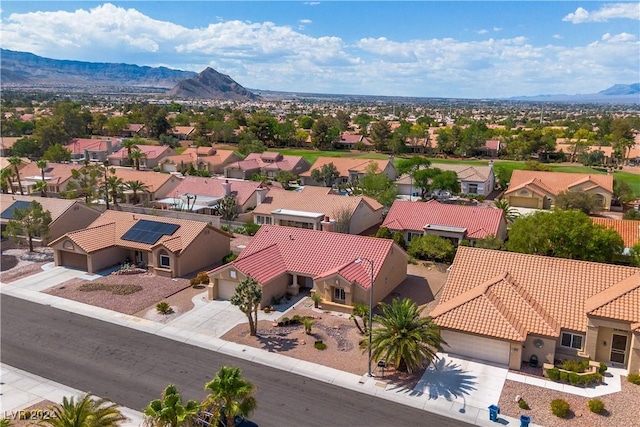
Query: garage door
point(73, 260)
point(226, 289)
point(477, 347)
point(524, 202)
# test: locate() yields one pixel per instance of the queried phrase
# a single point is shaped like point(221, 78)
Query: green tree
point(136, 187)
point(445, 181)
point(228, 208)
point(41, 186)
point(84, 182)
point(432, 247)
point(635, 254)
point(247, 298)
point(87, 411)
point(510, 213)
point(136, 156)
point(15, 162)
point(49, 131)
point(327, 174)
point(564, 234)
point(114, 188)
point(249, 143)
point(377, 186)
point(503, 176)
point(56, 153)
point(404, 338)
point(324, 133)
point(32, 221)
point(284, 177)
point(585, 202)
point(169, 411)
point(116, 125)
point(632, 214)
point(130, 144)
point(622, 192)
point(381, 135)
point(26, 147)
point(263, 126)
point(305, 122)
point(490, 242)
point(6, 179)
point(360, 311)
point(231, 393)
point(42, 165)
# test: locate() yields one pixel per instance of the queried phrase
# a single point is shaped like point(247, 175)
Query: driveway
point(46, 279)
point(463, 381)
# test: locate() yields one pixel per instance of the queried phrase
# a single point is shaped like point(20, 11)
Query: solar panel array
point(149, 232)
point(18, 204)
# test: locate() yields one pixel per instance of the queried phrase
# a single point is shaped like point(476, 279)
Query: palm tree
point(42, 165)
point(510, 213)
point(15, 161)
point(362, 311)
point(135, 187)
point(114, 186)
point(87, 411)
point(168, 411)
point(129, 144)
point(136, 156)
point(231, 393)
point(41, 186)
point(6, 179)
point(404, 338)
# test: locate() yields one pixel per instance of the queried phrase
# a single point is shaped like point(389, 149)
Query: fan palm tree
point(130, 145)
point(362, 311)
point(404, 338)
point(510, 213)
point(231, 393)
point(41, 186)
point(114, 187)
point(42, 165)
point(135, 187)
point(6, 179)
point(15, 161)
point(87, 411)
point(168, 411)
point(136, 156)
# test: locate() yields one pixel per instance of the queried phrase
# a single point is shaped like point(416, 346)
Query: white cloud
point(305, 21)
point(557, 36)
point(482, 31)
point(606, 12)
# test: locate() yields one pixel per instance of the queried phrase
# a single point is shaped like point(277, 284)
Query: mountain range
point(22, 69)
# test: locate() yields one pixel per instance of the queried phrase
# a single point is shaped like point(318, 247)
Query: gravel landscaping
point(18, 262)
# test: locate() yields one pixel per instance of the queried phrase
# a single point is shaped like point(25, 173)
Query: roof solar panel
point(149, 232)
point(18, 204)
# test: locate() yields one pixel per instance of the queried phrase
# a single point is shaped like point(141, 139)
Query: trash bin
point(493, 412)
point(525, 420)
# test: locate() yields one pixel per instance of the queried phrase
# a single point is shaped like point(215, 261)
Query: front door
point(618, 348)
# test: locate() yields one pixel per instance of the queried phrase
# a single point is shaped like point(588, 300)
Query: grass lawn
point(312, 155)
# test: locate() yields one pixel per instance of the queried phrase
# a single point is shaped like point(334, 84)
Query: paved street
point(132, 367)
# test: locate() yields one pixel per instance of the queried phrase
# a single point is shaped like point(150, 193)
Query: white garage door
point(477, 347)
point(226, 289)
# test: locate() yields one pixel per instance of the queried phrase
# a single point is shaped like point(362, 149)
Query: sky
point(450, 49)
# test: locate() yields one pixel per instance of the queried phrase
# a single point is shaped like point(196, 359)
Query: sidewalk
point(452, 406)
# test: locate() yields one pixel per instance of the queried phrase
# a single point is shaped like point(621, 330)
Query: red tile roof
point(556, 182)
point(628, 229)
point(212, 187)
point(275, 250)
point(480, 222)
point(150, 151)
point(345, 165)
point(78, 145)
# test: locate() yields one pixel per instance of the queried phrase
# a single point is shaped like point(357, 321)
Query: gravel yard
point(621, 409)
point(18, 262)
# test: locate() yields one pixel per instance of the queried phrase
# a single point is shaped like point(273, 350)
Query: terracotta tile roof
point(78, 145)
point(4, 162)
point(621, 301)
point(219, 157)
point(212, 187)
point(153, 180)
point(277, 249)
point(55, 173)
point(268, 161)
point(57, 207)
point(135, 127)
point(628, 229)
point(6, 142)
point(560, 287)
point(184, 130)
point(465, 173)
point(569, 148)
point(108, 229)
point(150, 151)
point(480, 222)
point(346, 164)
point(556, 182)
point(314, 199)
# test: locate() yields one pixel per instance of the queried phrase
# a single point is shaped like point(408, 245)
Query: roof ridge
point(467, 296)
point(510, 316)
point(529, 299)
point(614, 292)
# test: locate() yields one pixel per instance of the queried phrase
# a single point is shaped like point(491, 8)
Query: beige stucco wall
point(515, 355)
point(545, 354)
point(106, 258)
point(166, 188)
point(234, 173)
point(525, 201)
point(634, 353)
point(206, 250)
point(363, 218)
point(600, 331)
point(77, 217)
point(598, 191)
point(275, 288)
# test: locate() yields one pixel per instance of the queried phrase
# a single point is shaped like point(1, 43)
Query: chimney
point(328, 224)
point(261, 193)
point(86, 155)
point(108, 146)
point(226, 187)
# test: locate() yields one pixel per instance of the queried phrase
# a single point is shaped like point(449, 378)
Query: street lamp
point(370, 261)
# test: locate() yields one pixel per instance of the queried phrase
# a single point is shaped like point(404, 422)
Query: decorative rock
point(302, 342)
point(518, 398)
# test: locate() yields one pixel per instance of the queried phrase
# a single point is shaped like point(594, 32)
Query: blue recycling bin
point(525, 420)
point(494, 410)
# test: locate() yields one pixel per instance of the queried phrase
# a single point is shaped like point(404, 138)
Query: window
point(165, 261)
point(571, 340)
point(232, 273)
point(473, 188)
point(411, 235)
point(338, 294)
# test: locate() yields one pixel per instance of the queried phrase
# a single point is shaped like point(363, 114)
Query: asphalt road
point(132, 368)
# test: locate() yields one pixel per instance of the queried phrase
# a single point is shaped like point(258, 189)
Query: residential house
point(267, 164)
point(452, 222)
point(6, 143)
point(538, 190)
point(492, 147)
point(153, 154)
point(93, 150)
point(183, 132)
point(158, 185)
point(57, 176)
point(317, 208)
point(202, 195)
point(628, 229)
point(4, 162)
point(351, 141)
point(134, 129)
point(572, 148)
point(476, 180)
point(66, 215)
point(336, 266)
point(168, 247)
point(506, 307)
point(350, 169)
point(201, 158)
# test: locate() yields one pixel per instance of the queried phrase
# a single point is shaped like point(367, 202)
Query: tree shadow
point(446, 379)
point(276, 344)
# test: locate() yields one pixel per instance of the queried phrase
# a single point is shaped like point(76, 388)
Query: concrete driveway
point(50, 277)
point(460, 381)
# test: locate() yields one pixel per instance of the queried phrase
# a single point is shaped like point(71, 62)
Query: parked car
point(207, 419)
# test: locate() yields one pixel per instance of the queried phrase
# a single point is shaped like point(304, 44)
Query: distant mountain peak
point(210, 84)
point(620, 89)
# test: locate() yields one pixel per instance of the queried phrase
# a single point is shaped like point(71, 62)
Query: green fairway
point(312, 155)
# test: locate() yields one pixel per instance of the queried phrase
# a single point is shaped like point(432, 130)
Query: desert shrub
point(596, 406)
point(560, 408)
point(114, 289)
point(203, 278)
point(296, 317)
point(163, 308)
point(251, 228)
point(554, 374)
point(574, 378)
point(576, 365)
point(603, 368)
point(564, 376)
point(319, 345)
point(229, 257)
point(634, 379)
point(194, 282)
point(523, 404)
point(285, 320)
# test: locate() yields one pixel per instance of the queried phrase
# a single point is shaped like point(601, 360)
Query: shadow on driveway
point(447, 379)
